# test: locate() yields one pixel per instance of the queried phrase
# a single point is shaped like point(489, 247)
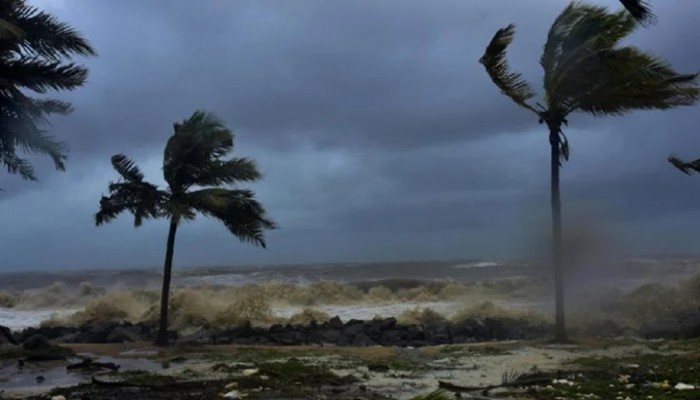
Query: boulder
point(335, 323)
point(6, 336)
point(123, 334)
point(36, 342)
point(362, 340)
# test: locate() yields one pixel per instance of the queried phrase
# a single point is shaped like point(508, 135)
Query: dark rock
point(362, 340)
point(661, 329)
point(202, 336)
point(277, 328)
point(470, 329)
point(95, 333)
point(386, 323)
point(335, 323)
point(288, 337)
point(7, 336)
point(352, 330)
point(331, 336)
point(51, 333)
point(36, 342)
point(438, 334)
point(123, 334)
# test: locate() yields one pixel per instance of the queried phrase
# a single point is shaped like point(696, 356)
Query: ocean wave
point(480, 264)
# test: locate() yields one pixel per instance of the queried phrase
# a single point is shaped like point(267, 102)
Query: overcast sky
point(380, 135)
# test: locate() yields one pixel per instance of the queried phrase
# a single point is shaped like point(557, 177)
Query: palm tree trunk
point(162, 338)
point(560, 325)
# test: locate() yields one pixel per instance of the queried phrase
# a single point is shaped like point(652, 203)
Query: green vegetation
point(36, 53)
point(644, 376)
point(197, 176)
point(586, 70)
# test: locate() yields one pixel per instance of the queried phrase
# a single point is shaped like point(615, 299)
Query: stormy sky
point(379, 134)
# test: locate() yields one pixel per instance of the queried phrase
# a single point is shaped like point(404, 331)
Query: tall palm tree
point(199, 180)
point(586, 70)
point(36, 51)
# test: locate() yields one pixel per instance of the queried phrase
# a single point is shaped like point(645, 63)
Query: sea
point(622, 274)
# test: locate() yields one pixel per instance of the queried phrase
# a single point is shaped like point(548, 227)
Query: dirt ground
point(313, 372)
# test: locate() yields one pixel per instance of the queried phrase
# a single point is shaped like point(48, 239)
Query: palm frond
point(629, 79)
point(640, 10)
point(9, 31)
point(41, 75)
point(574, 41)
point(436, 395)
point(46, 36)
point(228, 172)
point(197, 144)
point(127, 168)
point(237, 209)
point(142, 199)
point(494, 60)
point(17, 165)
point(686, 167)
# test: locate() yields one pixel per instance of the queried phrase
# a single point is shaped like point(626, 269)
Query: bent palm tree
point(196, 173)
point(687, 167)
point(33, 47)
point(585, 70)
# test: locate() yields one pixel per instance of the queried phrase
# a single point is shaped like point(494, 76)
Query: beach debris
point(661, 385)
point(684, 386)
point(234, 394)
point(39, 379)
point(562, 382)
point(232, 385)
point(250, 371)
point(59, 397)
point(623, 378)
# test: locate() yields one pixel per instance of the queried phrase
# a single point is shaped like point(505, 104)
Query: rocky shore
point(357, 333)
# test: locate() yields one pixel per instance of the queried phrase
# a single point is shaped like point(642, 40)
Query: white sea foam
point(20, 319)
point(480, 264)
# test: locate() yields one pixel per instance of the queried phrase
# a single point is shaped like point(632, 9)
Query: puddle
point(54, 373)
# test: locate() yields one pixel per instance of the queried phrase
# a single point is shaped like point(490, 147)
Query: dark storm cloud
point(380, 135)
point(392, 74)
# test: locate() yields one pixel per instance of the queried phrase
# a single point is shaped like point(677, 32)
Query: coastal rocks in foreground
point(377, 332)
point(384, 332)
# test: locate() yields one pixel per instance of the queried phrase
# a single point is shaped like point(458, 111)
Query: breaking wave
point(410, 301)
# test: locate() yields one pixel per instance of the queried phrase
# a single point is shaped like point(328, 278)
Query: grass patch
point(641, 376)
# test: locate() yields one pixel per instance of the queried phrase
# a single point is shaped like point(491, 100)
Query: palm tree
point(640, 10)
point(199, 180)
point(36, 50)
point(687, 167)
point(586, 70)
